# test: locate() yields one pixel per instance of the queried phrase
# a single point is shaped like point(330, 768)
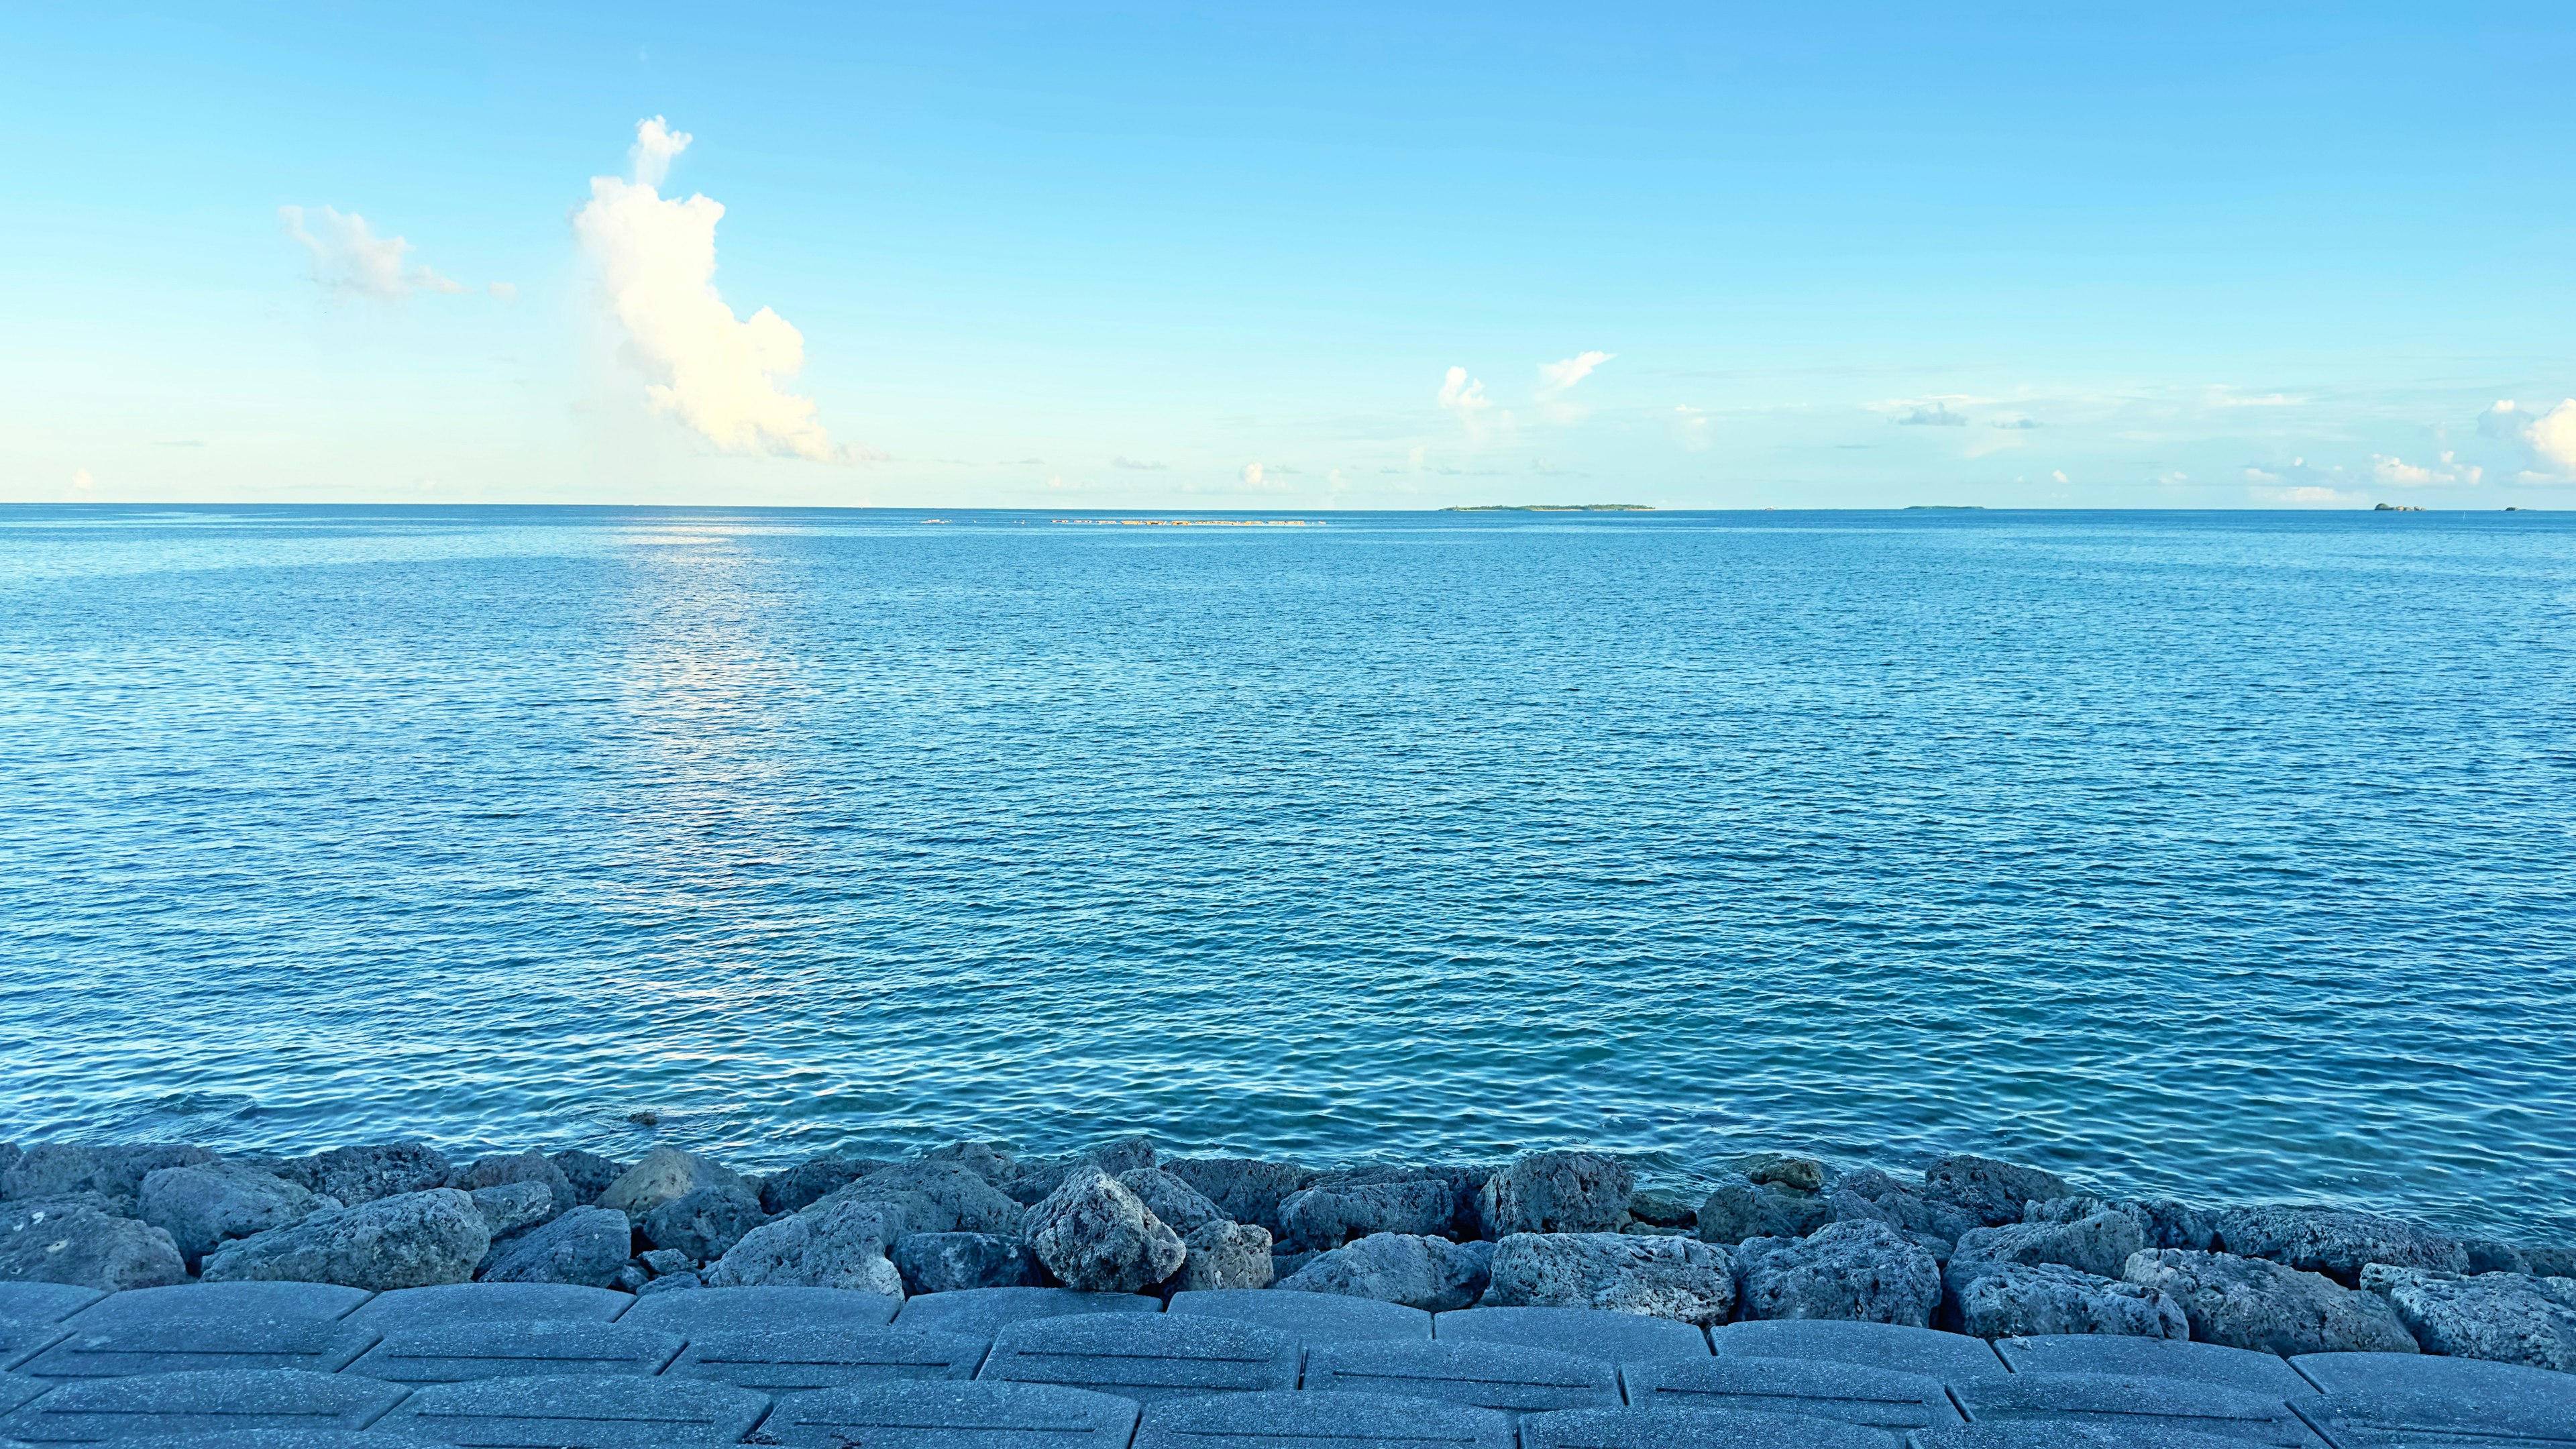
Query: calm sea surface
point(2225, 854)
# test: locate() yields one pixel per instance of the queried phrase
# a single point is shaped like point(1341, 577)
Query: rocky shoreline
point(1971, 1245)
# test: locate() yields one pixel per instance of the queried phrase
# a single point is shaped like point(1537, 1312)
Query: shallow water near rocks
point(2221, 854)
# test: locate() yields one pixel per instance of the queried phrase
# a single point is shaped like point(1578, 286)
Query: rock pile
point(1971, 1245)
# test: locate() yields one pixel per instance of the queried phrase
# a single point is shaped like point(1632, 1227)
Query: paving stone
point(952, 1415)
point(2162, 1358)
point(1590, 1332)
point(191, 1345)
point(270, 1439)
point(2198, 1408)
point(794, 1360)
point(1512, 1377)
point(257, 1299)
point(987, 1311)
point(200, 1403)
point(22, 1302)
point(461, 1303)
point(452, 1353)
point(2367, 1418)
point(16, 1392)
point(1672, 1427)
point(2043, 1435)
point(1307, 1317)
point(1849, 1393)
point(2341, 1373)
point(1142, 1356)
point(1328, 1420)
point(21, 1341)
point(725, 1310)
point(1948, 1357)
point(575, 1411)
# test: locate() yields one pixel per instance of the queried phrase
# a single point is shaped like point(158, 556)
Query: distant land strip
point(1551, 508)
point(1187, 522)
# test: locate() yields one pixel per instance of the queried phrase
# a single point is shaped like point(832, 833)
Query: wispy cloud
point(2015, 424)
point(1558, 377)
point(351, 262)
point(1938, 415)
point(1138, 465)
point(722, 375)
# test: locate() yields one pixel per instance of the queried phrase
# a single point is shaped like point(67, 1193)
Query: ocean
point(2225, 855)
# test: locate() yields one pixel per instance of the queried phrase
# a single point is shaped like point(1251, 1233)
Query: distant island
point(1551, 508)
point(1945, 508)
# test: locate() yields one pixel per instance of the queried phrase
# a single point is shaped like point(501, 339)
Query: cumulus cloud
point(82, 481)
point(2551, 435)
point(1936, 416)
point(2398, 473)
point(1463, 396)
point(1557, 377)
point(1251, 475)
point(722, 375)
point(351, 261)
point(1140, 465)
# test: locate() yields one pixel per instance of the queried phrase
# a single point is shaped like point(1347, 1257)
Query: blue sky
point(1225, 256)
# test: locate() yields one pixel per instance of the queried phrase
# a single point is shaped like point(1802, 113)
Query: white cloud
point(1936, 416)
point(2551, 436)
point(1463, 396)
point(2307, 495)
point(350, 260)
point(2397, 473)
point(720, 374)
point(1251, 475)
point(82, 481)
point(1557, 377)
point(2059, 475)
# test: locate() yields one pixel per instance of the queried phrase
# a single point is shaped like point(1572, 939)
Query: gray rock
point(631, 1278)
point(2335, 1243)
point(951, 1262)
point(1741, 1210)
point(662, 1261)
point(1096, 1236)
point(2164, 1222)
point(1870, 1195)
point(1817, 1388)
point(837, 1246)
point(2252, 1303)
point(2550, 1261)
point(704, 1223)
point(736, 1310)
point(934, 1197)
point(44, 1241)
point(666, 1174)
point(1663, 1208)
point(1466, 1185)
point(60, 1169)
point(1418, 1271)
point(589, 1173)
point(1124, 1155)
point(1556, 1192)
point(1183, 1208)
point(513, 1206)
point(1855, 1270)
point(2504, 1317)
point(1310, 1420)
point(1244, 1189)
point(812, 1180)
point(357, 1175)
point(2486, 1255)
point(2004, 1299)
point(1622, 1338)
point(684, 1282)
point(406, 1241)
point(455, 1303)
point(535, 1167)
point(987, 1160)
point(1285, 1265)
point(585, 1246)
point(1142, 1356)
point(803, 1358)
point(953, 1414)
point(1805, 1174)
point(2100, 1244)
point(578, 1411)
point(206, 1204)
point(1327, 1217)
point(1994, 1193)
point(1678, 1278)
point(1224, 1255)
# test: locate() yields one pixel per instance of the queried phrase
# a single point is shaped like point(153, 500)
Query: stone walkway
point(275, 1365)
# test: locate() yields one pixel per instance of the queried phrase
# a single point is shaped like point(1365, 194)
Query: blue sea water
point(2226, 854)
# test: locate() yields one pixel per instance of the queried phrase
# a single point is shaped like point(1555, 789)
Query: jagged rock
point(663, 1262)
point(1870, 1195)
point(1996, 1299)
point(1284, 1265)
point(834, 1245)
point(705, 1223)
point(1225, 1254)
point(76, 1241)
point(670, 1283)
point(1418, 1271)
point(589, 1173)
point(59, 1169)
point(206, 1204)
point(987, 1160)
point(2164, 1222)
point(1662, 1208)
point(9, 1155)
point(2253, 1303)
point(1097, 1236)
point(511, 1207)
point(1244, 1189)
point(948, 1262)
point(633, 1279)
point(587, 1246)
point(1854, 1270)
point(935, 1198)
point(1804, 1174)
point(667, 1174)
point(1994, 1193)
point(1556, 1192)
point(1663, 1277)
point(2507, 1317)
point(409, 1240)
point(2334, 1242)
point(1181, 1207)
point(500, 1171)
point(1124, 1155)
point(1741, 1210)
point(2550, 1262)
point(1328, 1217)
point(812, 1180)
point(2099, 1245)
point(2486, 1255)
point(358, 1175)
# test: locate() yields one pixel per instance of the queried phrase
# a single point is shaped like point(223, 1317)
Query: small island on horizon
point(1550, 508)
